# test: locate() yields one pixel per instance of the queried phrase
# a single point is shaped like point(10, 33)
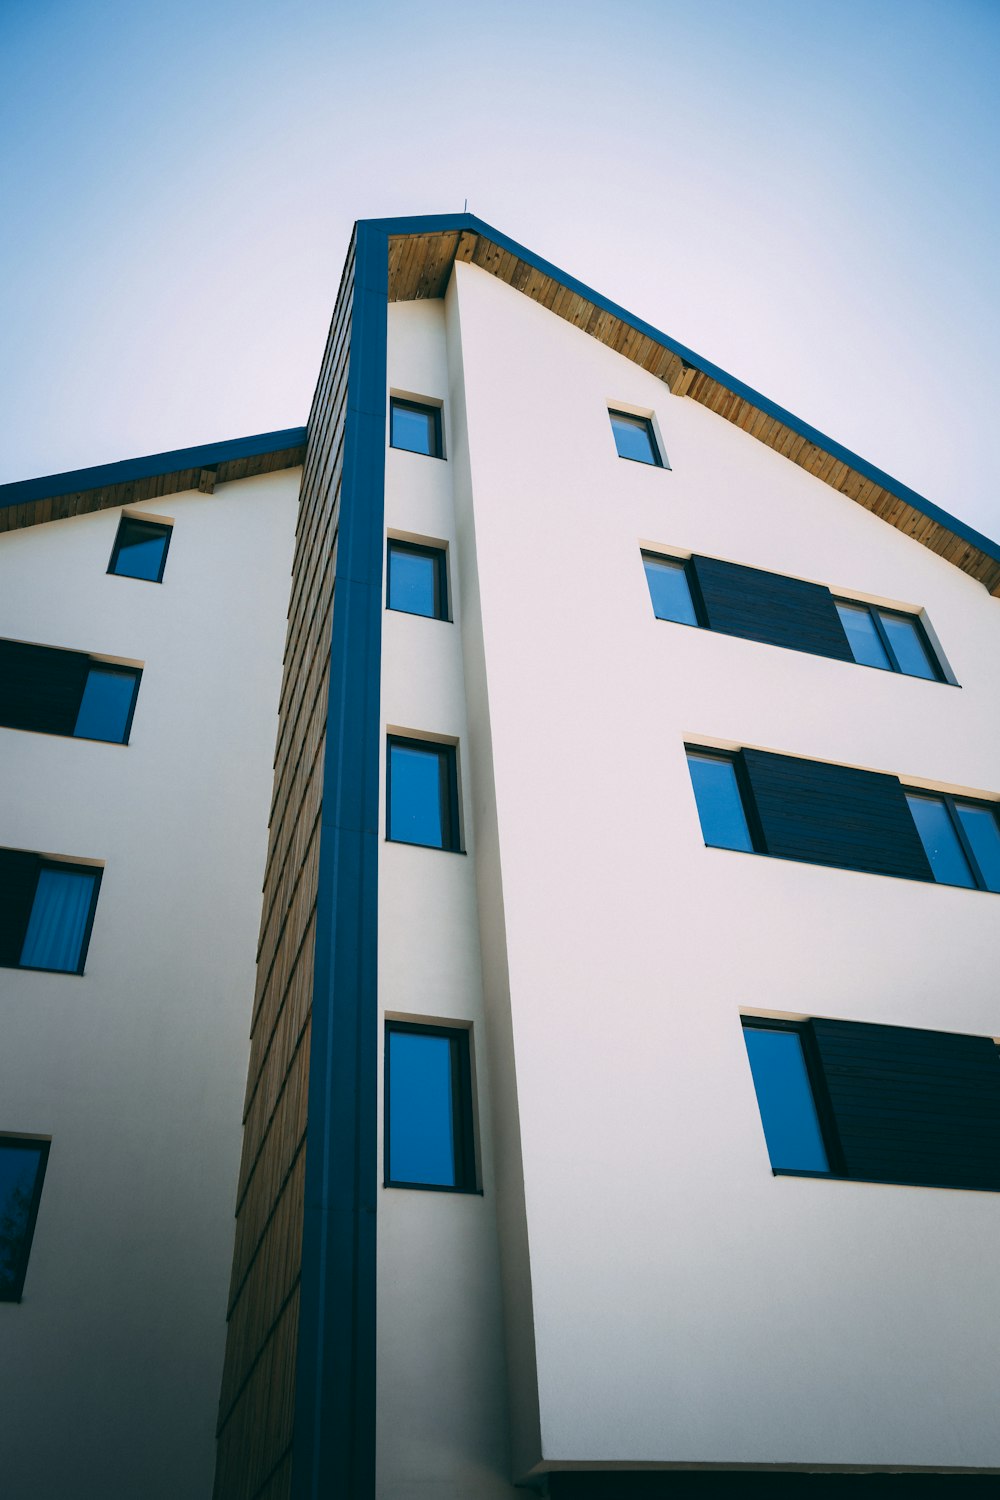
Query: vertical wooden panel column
point(315, 967)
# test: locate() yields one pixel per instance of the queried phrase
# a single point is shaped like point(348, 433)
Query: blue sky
point(805, 193)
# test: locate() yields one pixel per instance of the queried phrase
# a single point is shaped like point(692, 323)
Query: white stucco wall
point(110, 1374)
point(688, 1307)
point(441, 1406)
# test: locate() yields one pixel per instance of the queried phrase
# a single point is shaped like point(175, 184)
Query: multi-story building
point(623, 1100)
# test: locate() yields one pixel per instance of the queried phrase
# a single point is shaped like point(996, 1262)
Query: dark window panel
point(634, 438)
point(107, 703)
point(40, 688)
point(768, 607)
point(669, 589)
point(140, 549)
point(785, 1098)
point(720, 805)
point(18, 879)
point(22, 1171)
point(982, 831)
point(940, 839)
point(422, 793)
point(428, 1108)
point(59, 924)
point(865, 641)
point(417, 582)
point(415, 428)
point(834, 815)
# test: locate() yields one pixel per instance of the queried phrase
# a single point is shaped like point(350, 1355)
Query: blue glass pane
point(669, 591)
point(140, 551)
point(905, 640)
point(785, 1100)
point(413, 428)
point(417, 795)
point(634, 438)
point(940, 841)
point(720, 806)
point(983, 833)
point(106, 705)
point(863, 637)
point(58, 922)
point(421, 1109)
point(18, 1171)
point(413, 581)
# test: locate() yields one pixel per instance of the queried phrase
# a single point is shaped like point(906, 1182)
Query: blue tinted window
point(720, 806)
point(863, 637)
point(415, 428)
point(140, 550)
point(22, 1166)
point(106, 706)
point(907, 645)
point(669, 590)
point(428, 1119)
point(785, 1099)
point(422, 794)
point(634, 438)
point(983, 833)
point(417, 580)
point(941, 843)
point(60, 919)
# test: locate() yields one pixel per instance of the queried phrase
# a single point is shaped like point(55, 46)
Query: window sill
point(435, 1187)
point(414, 844)
point(954, 1187)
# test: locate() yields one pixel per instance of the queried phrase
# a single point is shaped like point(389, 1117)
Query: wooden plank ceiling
point(420, 265)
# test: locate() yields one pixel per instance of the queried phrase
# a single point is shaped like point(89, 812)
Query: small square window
point(422, 793)
point(418, 580)
point(720, 801)
point(635, 439)
point(46, 912)
point(888, 639)
point(415, 427)
point(670, 589)
point(22, 1170)
point(428, 1108)
point(140, 549)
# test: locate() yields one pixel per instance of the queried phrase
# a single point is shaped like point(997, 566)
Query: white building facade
point(623, 1093)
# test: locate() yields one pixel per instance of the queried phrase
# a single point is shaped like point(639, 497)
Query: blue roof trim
point(103, 476)
point(457, 223)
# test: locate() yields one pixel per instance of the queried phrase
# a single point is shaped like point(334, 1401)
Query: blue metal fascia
point(333, 1455)
point(457, 223)
point(103, 476)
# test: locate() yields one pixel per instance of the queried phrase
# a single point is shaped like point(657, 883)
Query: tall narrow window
point(422, 793)
point(428, 1113)
point(140, 549)
point(415, 427)
point(961, 839)
point(719, 800)
point(417, 581)
point(22, 1171)
point(635, 438)
point(785, 1098)
point(46, 912)
point(888, 639)
point(670, 589)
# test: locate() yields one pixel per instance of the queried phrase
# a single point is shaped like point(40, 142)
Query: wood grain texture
point(420, 265)
point(257, 1400)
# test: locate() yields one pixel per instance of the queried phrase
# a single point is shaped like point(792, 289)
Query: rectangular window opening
point(429, 1136)
point(961, 839)
point(670, 589)
point(415, 427)
point(23, 1160)
point(47, 911)
point(422, 793)
point(635, 438)
point(417, 579)
point(140, 549)
point(50, 691)
point(888, 639)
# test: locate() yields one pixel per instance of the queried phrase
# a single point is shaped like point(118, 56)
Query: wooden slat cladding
point(420, 264)
point(258, 1387)
point(83, 502)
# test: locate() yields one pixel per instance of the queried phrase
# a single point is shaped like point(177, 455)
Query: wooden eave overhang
point(30, 502)
point(423, 251)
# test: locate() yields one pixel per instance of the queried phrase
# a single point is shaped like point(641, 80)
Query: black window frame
point(822, 1103)
point(875, 612)
point(462, 1104)
point(684, 564)
point(40, 1144)
point(439, 557)
point(657, 461)
point(424, 407)
point(163, 528)
point(47, 862)
point(448, 752)
point(951, 803)
point(743, 786)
